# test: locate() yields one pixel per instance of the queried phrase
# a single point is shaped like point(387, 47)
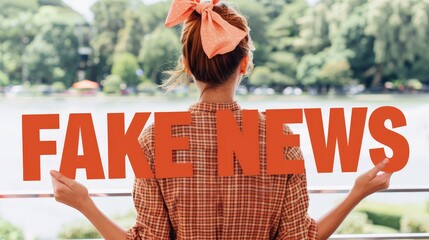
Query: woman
point(216, 53)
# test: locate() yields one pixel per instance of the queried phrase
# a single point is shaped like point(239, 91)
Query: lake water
point(43, 218)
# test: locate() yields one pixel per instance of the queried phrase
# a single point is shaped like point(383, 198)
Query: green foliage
point(415, 223)
point(109, 19)
point(261, 76)
point(385, 218)
point(112, 84)
point(9, 231)
point(336, 73)
point(400, 32)
point(159, 53)
point(130, 37)
point(125, 65)
point(355, 223)
point(79, 231)
point(314, 30)
point(388, 215)
point(4, 79)
point(40, 60)
point(153, 16)
point(323, 44)
point(147, 88)
point(85, 230)
point(284, 30)
point(358, 223)
point(427, 206)
point(258, 20)
point(58, 87)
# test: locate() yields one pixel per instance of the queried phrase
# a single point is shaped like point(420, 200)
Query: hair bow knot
point(217, 35)
point(201, 7)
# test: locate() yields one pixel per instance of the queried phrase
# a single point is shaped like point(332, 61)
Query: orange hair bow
point(217, 35)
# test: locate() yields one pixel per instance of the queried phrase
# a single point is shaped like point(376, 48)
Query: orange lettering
point(90, 160)
point(398, 144)
point(32, 147)
point(165, 144)
point(276, 141)
point(243, 143)
point(349, 149)
point(122, 144)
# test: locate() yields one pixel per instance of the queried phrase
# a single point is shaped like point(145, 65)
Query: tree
point(112, 84)
point(400, 30)
point(40, 60)
point(56, 32)
point(314, 30)
point(126, 65)
point(130, 37)
point(261, 76)
point(284, 29)
point(351, 38)
point(258, 22)
point(15, 34)
point(4, 79)
point(109, 19)
point(324, 70)
point(153, 16)
point(160, 52)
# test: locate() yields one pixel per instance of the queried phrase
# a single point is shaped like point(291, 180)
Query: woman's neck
point(219, 94)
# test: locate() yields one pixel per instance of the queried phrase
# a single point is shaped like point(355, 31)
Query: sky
point(83, 6)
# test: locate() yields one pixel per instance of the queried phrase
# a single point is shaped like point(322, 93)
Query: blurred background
point(109, 56)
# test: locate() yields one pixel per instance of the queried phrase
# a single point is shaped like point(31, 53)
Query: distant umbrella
point(86, 84)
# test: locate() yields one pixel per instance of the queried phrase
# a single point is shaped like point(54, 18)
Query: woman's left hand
point(69, 192)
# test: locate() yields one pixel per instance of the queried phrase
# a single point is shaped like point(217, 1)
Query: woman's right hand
point(69, 192)
point(372, 181)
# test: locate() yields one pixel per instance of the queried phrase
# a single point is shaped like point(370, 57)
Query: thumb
point(61, 178)
point(379, 167)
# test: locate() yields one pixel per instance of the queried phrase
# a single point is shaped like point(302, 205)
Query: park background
point(325, 54)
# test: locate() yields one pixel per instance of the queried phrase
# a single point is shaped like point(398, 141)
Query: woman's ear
point(244, 64)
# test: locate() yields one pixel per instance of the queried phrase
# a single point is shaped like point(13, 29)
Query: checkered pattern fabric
point(207, 206)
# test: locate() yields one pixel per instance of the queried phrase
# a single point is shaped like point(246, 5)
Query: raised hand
point(69, 192)
point(372, 181)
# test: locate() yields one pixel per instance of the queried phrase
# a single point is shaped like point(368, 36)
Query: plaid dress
point(207, 206)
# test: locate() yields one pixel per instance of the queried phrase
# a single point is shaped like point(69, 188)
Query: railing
point(311, 190)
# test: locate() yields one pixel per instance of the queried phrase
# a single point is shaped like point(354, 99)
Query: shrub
point(126, 66)
point(384, 214)
point(358, 223)
point(9, 231)
point(79, 231)
point(387, 219)
point(415, 224)
point(147, 88)
point(354, 224)
point(58, 87)
point(112, 84)
point(85, 230)
point(4, 79)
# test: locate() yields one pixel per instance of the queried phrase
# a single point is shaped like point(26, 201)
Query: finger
point(374, 171)
point(59, 185)
point(61, 178)
point(384, 179)
point(386, 176)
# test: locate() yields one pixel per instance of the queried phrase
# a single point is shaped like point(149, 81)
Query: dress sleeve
point(295, 223)
point(152, 215)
